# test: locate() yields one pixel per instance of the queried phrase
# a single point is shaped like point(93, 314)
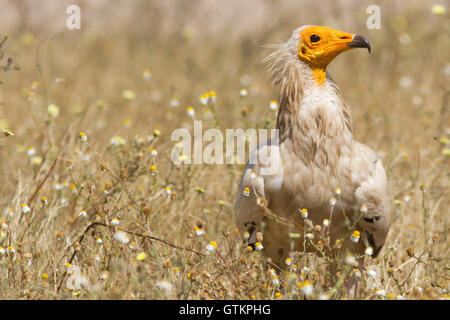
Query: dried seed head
point(91, 187)
point(364, 208)
point(69, 164)
point(259, 236)
point(410, 252)
point(435, 237)
point(146, 210)
point(417, 290)
point(103, 166)
point(309, 224)
point(332, 201)
point(59, 235)
point(123, 173)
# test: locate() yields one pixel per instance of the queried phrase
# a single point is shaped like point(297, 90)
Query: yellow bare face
point(320, 45)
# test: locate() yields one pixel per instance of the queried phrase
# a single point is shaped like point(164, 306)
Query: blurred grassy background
point(399, 100)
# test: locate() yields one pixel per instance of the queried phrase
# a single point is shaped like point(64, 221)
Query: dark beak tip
point(368, 46)
point(360, 42)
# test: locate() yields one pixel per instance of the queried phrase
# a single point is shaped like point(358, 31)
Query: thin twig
point(413, 268)
point(39, 186)
point(43, 181)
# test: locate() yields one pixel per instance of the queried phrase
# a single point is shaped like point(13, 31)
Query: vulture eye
point(314, 38)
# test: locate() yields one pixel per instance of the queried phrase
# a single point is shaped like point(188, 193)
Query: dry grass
point(399, 99)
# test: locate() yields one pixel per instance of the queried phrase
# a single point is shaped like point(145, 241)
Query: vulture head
point(318, 46)
point(314, 47)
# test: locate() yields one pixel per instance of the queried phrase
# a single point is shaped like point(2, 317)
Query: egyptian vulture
point(318, 165)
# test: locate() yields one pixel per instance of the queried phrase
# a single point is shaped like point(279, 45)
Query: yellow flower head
point(146, 74)
point(82, 136)
point(117, 141)
point(438, 9)
point(304, 283)
point(53, 110)
point(244, 92)
point(101, 104)
point(141, 256)
point(213, 243)
point(273, 105)
point(355, 236)
point(36, 160)
point(205, 98)
point(34, 85)
point(128, 94)
point(190, 111)
point(304, 213)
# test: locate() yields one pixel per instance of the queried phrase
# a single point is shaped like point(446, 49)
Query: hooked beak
point(320, 53)
point(359, 42)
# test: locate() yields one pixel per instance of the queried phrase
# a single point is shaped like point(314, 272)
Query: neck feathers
point(312, 115)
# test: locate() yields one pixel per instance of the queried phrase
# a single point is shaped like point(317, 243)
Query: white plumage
point(315, 154)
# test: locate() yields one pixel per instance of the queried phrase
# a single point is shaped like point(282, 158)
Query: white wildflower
point(121, 237)
point(165, 286)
